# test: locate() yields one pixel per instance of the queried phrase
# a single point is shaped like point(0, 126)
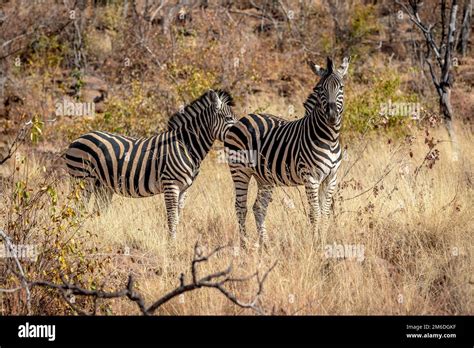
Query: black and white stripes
point(166, 163)
point(288, 153)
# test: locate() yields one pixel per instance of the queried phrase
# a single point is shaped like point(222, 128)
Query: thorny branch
point(217, 280)
point(20, 136)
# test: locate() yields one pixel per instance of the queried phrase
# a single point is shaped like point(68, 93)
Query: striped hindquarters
point(267, 147)
point(126, 165)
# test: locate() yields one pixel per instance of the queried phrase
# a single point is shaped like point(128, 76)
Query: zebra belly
point(264, 176)
point(136, 188)
point(125, 190)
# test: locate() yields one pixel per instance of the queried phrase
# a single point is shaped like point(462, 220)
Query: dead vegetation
point(400, 241)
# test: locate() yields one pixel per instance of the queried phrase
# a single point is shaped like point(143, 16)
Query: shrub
point(39, 216)
point(363, 103)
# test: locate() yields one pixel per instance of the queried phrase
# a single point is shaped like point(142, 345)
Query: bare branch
point(426, 30)
point(216, 280)
point(20, 136)
point(23, 280)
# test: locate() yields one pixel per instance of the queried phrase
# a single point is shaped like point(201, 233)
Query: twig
point(216, 280)
point(23, 280)
point(20, 136)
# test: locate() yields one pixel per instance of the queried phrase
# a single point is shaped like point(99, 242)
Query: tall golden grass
point(415, 231)
point(413, 223)
point(416, 236)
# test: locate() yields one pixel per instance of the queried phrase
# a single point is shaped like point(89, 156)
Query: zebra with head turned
point(288, 153)
point(165, 163)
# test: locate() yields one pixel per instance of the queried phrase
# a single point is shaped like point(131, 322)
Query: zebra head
point(329, 91)
point(211, 113)
point(222, 116)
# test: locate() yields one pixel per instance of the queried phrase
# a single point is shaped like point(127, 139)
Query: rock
point(91, 95)
point(94, 90)
point(93, 82)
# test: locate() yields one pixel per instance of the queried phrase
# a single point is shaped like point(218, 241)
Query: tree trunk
point(465, 28)
point(447, 81)
point(445, 103)
point(447, 112)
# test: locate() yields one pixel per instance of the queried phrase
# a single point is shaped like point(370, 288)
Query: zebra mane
point(225, 97)
point(194, 109)
point(310, 102)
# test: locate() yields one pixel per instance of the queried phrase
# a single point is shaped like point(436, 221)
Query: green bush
point(48, 53)
point(364, 103)
point(137, 114)
point(363, 22)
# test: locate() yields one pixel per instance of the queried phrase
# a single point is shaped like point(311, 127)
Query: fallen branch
point(217, 280)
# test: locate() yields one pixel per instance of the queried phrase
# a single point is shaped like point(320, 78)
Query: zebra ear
point(329, 65)
point(317, 69)
point(344, 66)
point(216, 100)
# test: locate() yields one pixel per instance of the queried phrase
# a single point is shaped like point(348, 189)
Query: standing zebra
point(288, 153)
point(165, 163)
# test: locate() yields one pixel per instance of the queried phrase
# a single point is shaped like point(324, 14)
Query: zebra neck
point(197, 140)
point(320, 131)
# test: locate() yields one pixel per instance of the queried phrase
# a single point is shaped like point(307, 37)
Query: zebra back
point(138, 167)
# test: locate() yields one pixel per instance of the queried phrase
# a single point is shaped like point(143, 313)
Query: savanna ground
point(404, 197)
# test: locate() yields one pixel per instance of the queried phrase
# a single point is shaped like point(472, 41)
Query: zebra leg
point(171, 202)
point(241, 183)
point(325, 195)
point(312, 191)
point(264, 197)
point(181, 201)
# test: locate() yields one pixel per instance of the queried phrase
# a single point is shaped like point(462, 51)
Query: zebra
point(165, 163)
point(278, 152)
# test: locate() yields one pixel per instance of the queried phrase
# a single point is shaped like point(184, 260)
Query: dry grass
point(416, 235)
